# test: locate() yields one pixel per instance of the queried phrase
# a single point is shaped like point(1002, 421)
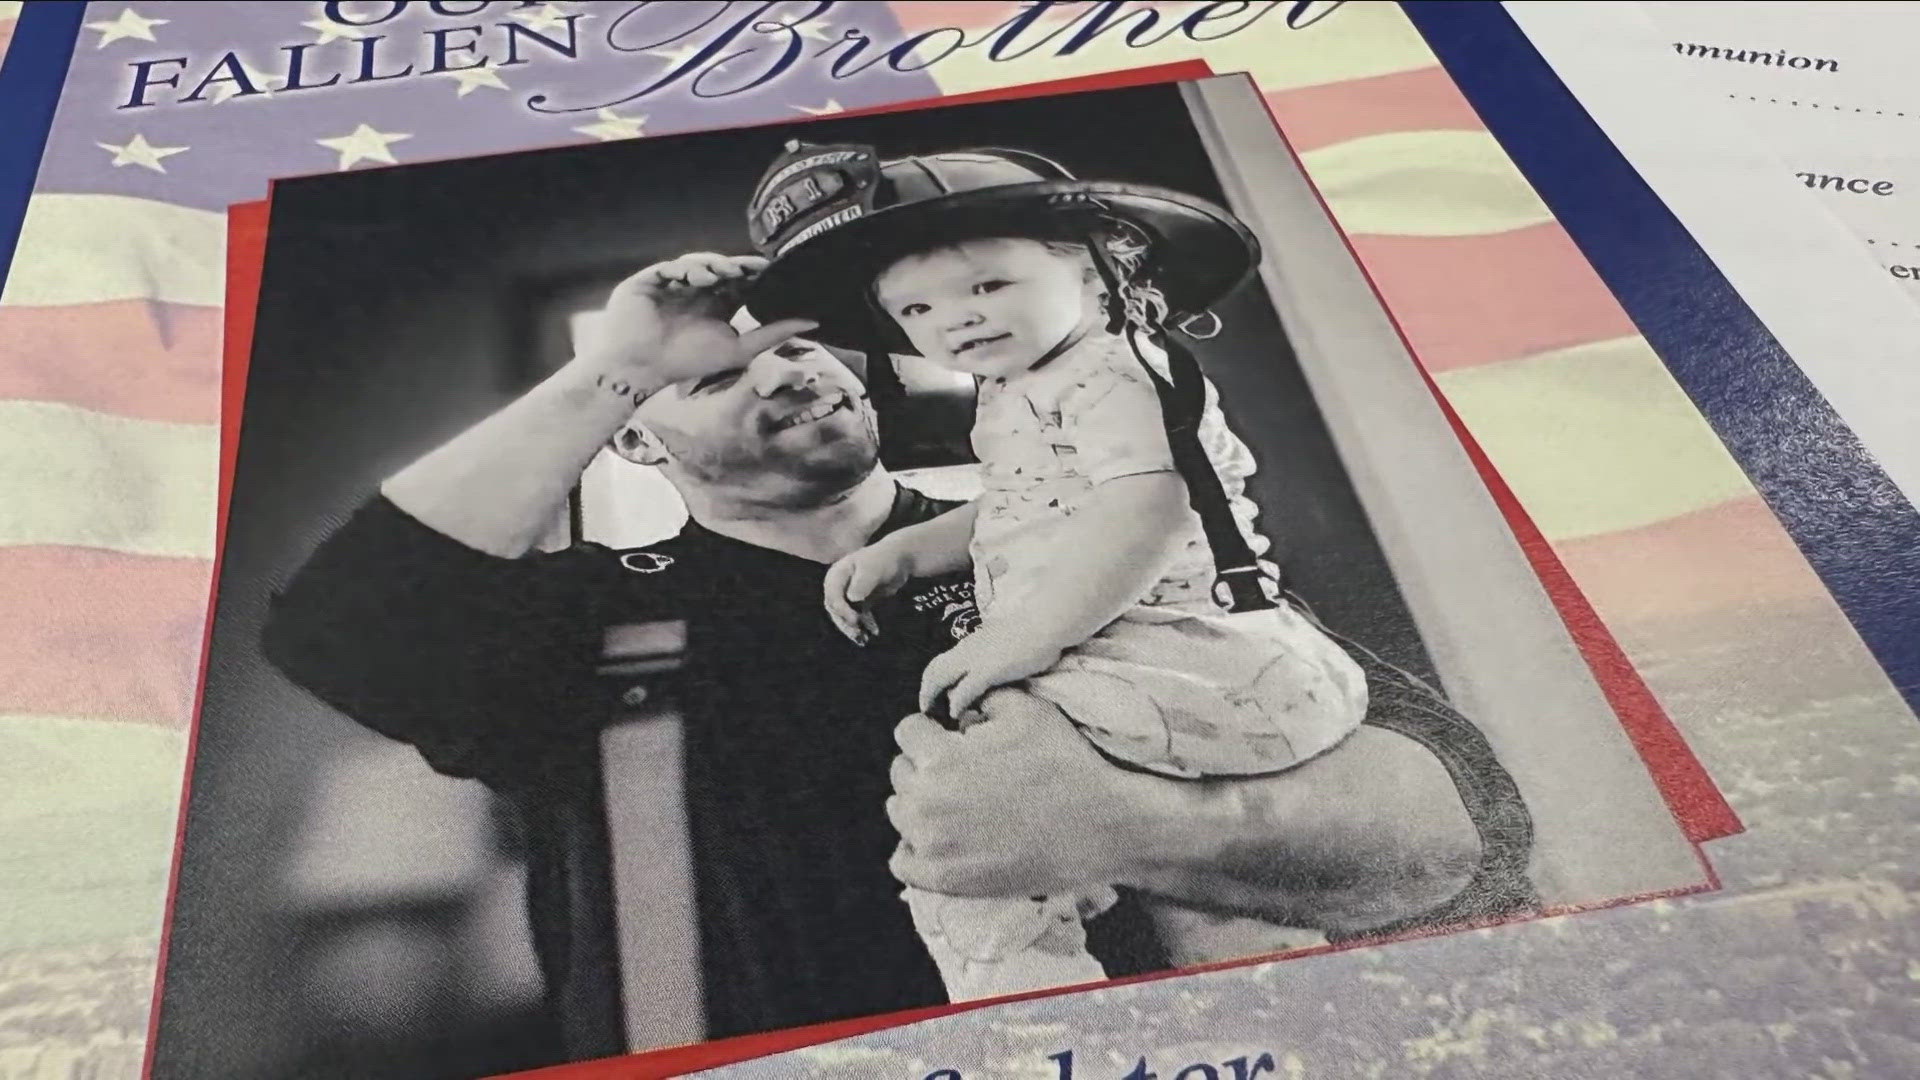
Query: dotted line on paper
point(1817, 105)
point(1893, 243)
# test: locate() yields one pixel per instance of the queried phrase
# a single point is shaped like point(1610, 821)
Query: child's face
point(988, 307)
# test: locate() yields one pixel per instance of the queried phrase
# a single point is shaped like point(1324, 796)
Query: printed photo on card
point(717, 584)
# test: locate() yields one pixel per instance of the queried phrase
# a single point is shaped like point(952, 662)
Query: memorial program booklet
point(524, 737)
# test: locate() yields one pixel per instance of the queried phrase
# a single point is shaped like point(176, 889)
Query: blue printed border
point(1855, 528)
point(44, 36)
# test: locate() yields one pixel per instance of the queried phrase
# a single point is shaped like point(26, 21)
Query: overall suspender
point(1239, 584)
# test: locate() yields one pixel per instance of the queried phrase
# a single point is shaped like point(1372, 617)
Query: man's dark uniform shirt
point(488, 667)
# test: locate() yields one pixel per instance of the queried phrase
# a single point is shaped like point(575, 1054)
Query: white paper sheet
point(1846, 320)
point(1830, 87)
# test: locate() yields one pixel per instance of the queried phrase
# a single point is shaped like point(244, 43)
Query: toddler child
point(1095, 579)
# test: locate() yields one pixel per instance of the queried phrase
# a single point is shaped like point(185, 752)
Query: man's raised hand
point(669, 322)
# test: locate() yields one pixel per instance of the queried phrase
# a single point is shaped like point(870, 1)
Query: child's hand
point(991, 656)
point(856, 580)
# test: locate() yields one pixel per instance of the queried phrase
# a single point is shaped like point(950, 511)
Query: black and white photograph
point(717, 583)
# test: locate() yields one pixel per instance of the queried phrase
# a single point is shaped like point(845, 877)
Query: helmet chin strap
point(1074, 337)
point(1239, 583)
point(884, 387)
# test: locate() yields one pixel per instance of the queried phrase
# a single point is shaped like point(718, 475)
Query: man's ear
point(638, 445)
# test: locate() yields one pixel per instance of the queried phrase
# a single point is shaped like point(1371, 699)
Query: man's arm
point(1370, 833)
point(478, 662)
point(425, 618)
point(498, 486)
point(1367, 834)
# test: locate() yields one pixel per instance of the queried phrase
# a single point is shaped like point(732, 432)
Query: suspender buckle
point(1194, 327)
point(1245, 588)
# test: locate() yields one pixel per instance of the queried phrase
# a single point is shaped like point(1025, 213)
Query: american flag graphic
point(110, 340)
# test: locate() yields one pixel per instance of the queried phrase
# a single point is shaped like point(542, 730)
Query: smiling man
point(430, 617)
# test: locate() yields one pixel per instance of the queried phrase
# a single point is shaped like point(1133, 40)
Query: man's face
point(792, 421)
point(988, 307)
